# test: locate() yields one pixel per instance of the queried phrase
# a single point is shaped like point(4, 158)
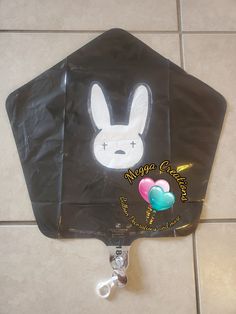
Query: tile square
point(216, 255)
point(211, 58)
point(88, 15)
point(43, 275)
point(208, 15)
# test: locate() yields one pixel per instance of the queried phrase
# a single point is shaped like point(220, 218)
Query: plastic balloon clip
point(119, 257)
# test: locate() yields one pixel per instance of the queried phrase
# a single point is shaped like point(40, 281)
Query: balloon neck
point(119, 262)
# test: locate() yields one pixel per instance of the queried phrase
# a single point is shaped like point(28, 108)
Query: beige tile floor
point(196, 274)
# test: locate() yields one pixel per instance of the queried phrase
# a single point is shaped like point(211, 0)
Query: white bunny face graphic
point(119, 146)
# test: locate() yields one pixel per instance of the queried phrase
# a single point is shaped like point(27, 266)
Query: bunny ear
point(99, 107)
point(139, 109)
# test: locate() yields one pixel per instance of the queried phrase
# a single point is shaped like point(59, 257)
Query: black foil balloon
point(109, 116)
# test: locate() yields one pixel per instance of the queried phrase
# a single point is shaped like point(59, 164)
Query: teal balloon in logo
point(159, 199)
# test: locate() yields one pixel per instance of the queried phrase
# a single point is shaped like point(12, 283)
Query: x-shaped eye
point(104, 145)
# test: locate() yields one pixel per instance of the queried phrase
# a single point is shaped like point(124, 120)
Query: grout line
point(208, 32)
point(195, 265)
point(18, 223)
point(218, 220)
point(48, 31)
point(85, 31)
point(180, 31)
point(179, 19)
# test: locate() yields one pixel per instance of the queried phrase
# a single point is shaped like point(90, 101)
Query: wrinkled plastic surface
point(72, 194)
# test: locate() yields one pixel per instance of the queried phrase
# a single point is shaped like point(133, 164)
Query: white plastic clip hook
point(119, 263)
point(103, 289)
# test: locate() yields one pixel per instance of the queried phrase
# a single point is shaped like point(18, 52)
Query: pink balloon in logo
point(147, 183)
